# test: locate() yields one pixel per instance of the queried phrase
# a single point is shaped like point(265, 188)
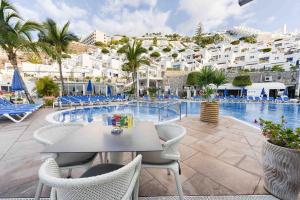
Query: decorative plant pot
point(281, 168)
point(209, 112)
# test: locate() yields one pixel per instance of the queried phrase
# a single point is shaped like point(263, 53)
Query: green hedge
point(242, 81)
point(155, 54)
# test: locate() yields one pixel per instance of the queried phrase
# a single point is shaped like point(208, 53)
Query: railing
point(177, 109)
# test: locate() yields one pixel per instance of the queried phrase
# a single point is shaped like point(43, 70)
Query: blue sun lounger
point(16, 112)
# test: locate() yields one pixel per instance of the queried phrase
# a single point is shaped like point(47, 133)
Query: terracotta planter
point(209, 112)
point(281, 168)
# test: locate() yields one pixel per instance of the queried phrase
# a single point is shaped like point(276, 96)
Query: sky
point(136, 17)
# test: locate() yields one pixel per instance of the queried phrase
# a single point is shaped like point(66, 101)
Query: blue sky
point(135, 17)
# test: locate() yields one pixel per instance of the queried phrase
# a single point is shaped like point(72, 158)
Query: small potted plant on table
point(281, 159)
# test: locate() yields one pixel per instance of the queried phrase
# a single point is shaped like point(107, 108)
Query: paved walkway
point(221, 159)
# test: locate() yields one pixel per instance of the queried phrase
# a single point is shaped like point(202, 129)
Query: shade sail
point(17, 82)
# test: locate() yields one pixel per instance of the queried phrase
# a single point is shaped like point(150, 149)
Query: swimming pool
point(160, 112)
point(249, 112)
point(144, 111)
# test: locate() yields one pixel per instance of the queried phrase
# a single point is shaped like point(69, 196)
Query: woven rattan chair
point(169, 158)
point(121, 184)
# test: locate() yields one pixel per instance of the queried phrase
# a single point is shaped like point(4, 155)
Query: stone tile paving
point(222, 159)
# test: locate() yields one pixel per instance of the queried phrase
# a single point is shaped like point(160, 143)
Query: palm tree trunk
point(61, 77)
point(13, 61)
point(133, 82)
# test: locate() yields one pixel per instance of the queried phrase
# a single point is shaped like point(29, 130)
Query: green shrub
point(242, 81)
point(150, 48)
point(280, 135)
point(174, 55)
point(155, 54)
point(167, 49)
point(277, 68)
point(266, 50)
point(46, 87)
point(236, 42)
point(181, 50)
point(249, 39)
point(152, 91)
point(193, 78)
point(105, 51)
point(48, 102)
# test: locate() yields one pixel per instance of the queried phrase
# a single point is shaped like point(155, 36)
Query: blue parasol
point(17, 82)
point(108, 91)
point(89, 87)
point(225, 92)
point(286, 92)
point(263, 93)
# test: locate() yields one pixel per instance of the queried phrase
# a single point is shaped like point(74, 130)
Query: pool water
point(149, 112)
point(157, 112)
point(249, 112)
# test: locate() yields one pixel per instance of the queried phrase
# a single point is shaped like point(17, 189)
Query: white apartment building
point(95, 36)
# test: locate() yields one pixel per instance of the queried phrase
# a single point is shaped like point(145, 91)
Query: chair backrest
point(50, 134)
point(171, 134)
point(118, 184)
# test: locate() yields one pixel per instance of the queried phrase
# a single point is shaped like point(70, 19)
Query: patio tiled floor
point(218, 159)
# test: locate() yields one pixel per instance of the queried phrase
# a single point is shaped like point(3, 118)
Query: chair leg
point(101, 157)
point(38, 191)
point(178, 184)
point(69, 173)
point(169, 173)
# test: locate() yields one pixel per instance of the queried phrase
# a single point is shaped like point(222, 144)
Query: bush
point(181, 50)
point(152, 91)
point(46, 87)
point(167, 49)
point(236, 42)
point(193, 79)
point(249, 39)
point(100, 44)
point(279, 135)
point(277, 68)
point(150, 48)
point(242, 81)
point(122, 49)
point(48, 102)
point(266, 50)
point(105, 51)
point(155, 54)
point(174, 55)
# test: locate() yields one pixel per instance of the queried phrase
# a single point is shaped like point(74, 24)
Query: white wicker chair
point(169, 158)
point(120, 184)
point(50, 134)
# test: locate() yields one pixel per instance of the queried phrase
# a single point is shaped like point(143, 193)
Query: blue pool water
point(143, 111)
point(247, 112)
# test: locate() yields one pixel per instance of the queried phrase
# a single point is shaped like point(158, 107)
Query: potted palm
point(207, 78)
point(47, 89)
point(281, 159)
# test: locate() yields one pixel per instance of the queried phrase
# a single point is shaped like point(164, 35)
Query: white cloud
point(134, 22)
point(210, 13)
point(60, 10)
point(27, 13)
point(114, 6)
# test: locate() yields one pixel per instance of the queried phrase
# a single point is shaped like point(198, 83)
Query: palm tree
point(135, 59)
point(220, 78)
point(56, 42)
point(15, 36)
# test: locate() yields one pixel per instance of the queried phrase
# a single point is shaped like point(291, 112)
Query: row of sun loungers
point(86, 100)
point(161, 97)
point(16, 112)
point(247, 99)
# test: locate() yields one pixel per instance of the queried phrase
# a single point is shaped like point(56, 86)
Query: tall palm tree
point(55, 42)
point(134, 55)
point(15, 35)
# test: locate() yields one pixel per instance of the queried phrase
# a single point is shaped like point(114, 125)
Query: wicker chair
point(169, 158)
point(51, 134)
point(120, 184)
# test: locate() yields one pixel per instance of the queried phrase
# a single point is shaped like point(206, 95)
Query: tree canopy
point(242, 81)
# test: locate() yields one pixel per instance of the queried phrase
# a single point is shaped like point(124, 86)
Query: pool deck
point(222, 159)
